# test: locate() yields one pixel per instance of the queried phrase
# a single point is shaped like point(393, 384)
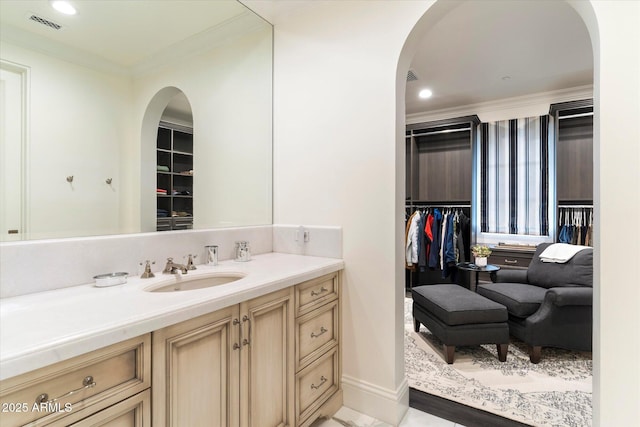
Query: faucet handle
point(190, 265)
point(168, 268)
point(147, 270)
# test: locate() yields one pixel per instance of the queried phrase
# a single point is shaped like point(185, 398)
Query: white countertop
point(39, 329)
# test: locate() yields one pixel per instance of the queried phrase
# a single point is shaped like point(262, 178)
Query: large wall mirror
point(82, 98)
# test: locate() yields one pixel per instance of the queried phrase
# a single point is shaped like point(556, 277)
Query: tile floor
point(414, 418)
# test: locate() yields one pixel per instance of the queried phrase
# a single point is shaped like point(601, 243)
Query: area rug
point(555, 392)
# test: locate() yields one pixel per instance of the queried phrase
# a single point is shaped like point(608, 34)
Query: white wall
point(78, 121)
point(617, 171)
point(335, 148)
point(338, 160)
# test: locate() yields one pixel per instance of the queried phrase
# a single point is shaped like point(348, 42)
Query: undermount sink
point(186, 283)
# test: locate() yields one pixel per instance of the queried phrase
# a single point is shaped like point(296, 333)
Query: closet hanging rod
point(575, 206)
point(435, 205)
point(575, 115)
point(440, 131)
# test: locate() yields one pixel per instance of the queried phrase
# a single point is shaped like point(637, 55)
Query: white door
point(12, 142)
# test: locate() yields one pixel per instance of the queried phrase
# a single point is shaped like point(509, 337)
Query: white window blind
point(514, 176)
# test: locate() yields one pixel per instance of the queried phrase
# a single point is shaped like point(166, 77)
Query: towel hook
point(70, 178)
point(108, 181)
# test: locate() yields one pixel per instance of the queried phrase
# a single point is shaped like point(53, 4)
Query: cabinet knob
point(88, 382)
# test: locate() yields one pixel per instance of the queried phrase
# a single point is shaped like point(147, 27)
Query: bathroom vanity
point(261, 350)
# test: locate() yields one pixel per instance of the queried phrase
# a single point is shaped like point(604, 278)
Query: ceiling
point(486, 50)
point(122, 33)
point(481, 51)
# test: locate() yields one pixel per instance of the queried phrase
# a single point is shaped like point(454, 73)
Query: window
point(514, 176)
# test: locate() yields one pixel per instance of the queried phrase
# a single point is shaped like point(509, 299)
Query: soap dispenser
point(243, 252)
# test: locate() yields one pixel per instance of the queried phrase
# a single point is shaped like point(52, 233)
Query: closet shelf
point(174, 152)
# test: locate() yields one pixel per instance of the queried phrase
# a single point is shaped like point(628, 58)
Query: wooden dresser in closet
point(509, 257)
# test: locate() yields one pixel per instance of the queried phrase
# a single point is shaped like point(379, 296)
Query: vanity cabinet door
point(230, 368)
point(196, 371)
point(267, 361)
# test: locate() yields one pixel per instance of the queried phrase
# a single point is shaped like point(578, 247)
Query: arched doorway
point(427, 23)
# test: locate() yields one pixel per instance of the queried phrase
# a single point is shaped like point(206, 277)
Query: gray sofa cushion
point(455, 305)
point(521, 300)
point(578, 271)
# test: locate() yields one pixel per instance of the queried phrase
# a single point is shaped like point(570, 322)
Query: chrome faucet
point(171, 267)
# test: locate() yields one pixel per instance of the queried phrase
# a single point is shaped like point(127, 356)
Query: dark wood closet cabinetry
point(440, 160)
point(574, 151)
point(439, 174)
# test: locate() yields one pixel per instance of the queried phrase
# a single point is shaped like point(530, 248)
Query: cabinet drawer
point(316, 383)
point(316, 292)
point(316, 332)
point(115, 372)
point(132, 412)
point(510, 260)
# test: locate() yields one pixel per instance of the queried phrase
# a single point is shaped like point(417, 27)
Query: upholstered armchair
point(549, 304)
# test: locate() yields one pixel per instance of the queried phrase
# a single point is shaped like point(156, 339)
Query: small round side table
point(469, 266)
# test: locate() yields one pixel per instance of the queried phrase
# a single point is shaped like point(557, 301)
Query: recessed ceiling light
point(63, 7)
point(425, 93)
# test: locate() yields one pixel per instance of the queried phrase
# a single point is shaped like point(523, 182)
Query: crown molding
point(46, 46)
point(223, 33)
point(537, 103)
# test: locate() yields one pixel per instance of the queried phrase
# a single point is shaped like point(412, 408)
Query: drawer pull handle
point(236, 346)
point(322, 381)
point(246, 341)
point(323, 330)
point(88, 382)
point(315, 294)
point(510, 261)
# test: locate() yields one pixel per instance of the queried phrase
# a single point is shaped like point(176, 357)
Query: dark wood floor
point(457, 412)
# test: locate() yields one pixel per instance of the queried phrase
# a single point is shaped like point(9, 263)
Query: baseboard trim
point(378, 402)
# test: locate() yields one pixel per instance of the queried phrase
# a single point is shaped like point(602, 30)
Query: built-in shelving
point(174, 177)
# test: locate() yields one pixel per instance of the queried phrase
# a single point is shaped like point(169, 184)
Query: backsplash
point(323, 241)
point(42, 265)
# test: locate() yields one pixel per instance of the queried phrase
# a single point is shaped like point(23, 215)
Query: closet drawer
point(316, 292)
point(316, 332)
point(98, 379)
point(316, 383)
point(506, 259)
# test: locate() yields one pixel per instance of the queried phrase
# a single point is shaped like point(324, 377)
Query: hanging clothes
point(448, 252)
point(411, 246)
point(436, 232)
point(428, 234)
point(575, 225)
point(462, 230)
point(422, 242)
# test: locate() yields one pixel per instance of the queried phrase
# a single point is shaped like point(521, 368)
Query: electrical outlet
point(302, 235)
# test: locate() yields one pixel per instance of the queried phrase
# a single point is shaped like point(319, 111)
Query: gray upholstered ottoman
point(458, 316)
